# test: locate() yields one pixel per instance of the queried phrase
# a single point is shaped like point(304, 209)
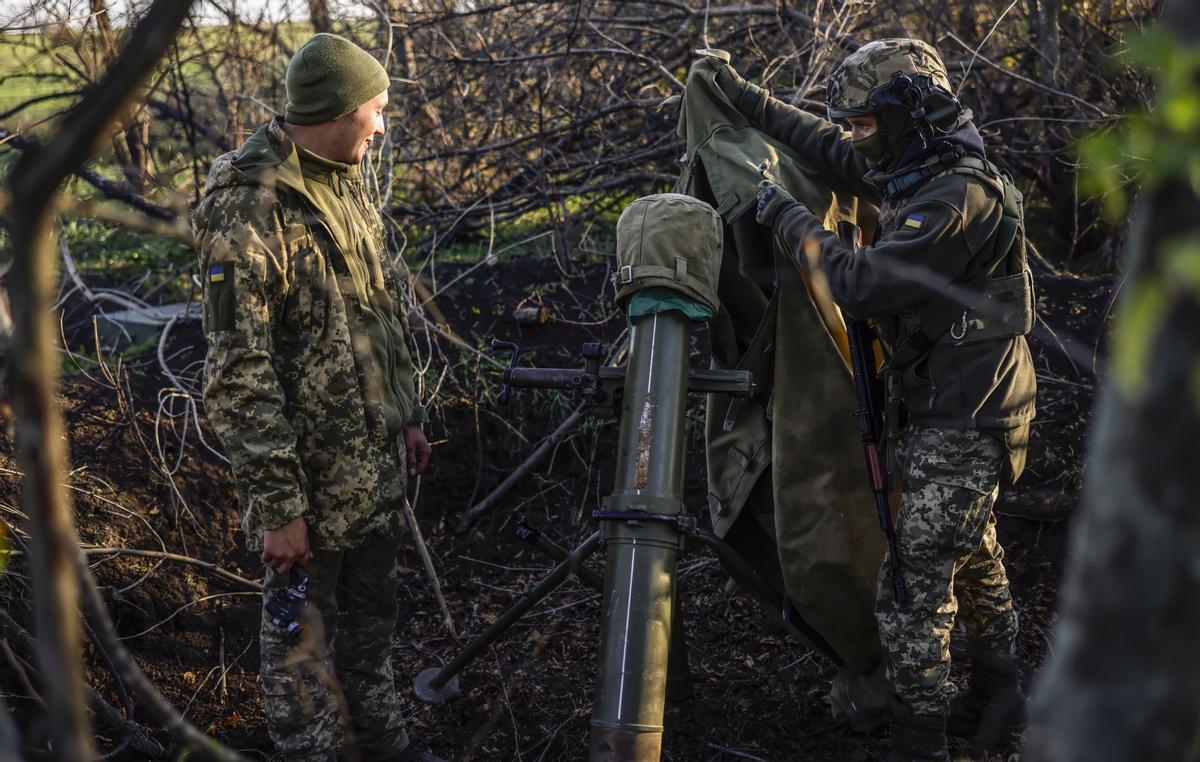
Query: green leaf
point(1133, 337)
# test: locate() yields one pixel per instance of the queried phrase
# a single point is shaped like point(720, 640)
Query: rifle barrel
point(861, 338)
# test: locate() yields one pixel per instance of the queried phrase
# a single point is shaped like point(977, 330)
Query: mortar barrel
point(639, 580)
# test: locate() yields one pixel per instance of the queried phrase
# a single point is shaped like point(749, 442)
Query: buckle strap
point(627, 274)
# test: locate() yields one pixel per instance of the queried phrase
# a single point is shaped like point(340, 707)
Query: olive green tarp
point(787, 481)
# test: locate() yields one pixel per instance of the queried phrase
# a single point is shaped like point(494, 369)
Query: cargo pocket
point(920, 392)
point(307, 310)
point(975, 509)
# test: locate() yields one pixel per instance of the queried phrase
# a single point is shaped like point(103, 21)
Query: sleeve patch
point(220, 302)
point(914, 221)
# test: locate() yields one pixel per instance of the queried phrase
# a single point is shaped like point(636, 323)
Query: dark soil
point(758, 693)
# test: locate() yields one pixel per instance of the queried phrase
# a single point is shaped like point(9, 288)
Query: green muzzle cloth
point(328, 77)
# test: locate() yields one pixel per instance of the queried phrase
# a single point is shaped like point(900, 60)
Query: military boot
point(992, 709)
point(917, 737)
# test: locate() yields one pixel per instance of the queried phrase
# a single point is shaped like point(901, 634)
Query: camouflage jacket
point(288, 375)
point(937, 229)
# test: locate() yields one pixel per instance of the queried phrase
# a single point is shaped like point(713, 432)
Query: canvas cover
point(672, 241)
point(786, 468)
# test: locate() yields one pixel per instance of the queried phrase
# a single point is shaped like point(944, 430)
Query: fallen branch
point(133, 676)
point(134, 734)
point(1036, 256)
point(429, 324)
point(111, 190)
point(520, 472)
point(215, 570)
point(148, 312)
point(426, 302)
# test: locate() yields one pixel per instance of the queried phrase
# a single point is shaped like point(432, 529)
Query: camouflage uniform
point(309, 381)
point(951, 561)
point(968, 402)
point(309, 687)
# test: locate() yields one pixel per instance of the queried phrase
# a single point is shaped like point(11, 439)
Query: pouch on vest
point(1006, 310)
point(669, 241)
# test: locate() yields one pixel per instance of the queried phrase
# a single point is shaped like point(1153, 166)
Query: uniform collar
point(317, 167)
point(921, 162)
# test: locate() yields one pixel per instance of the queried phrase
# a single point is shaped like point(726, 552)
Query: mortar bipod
point(642, 527)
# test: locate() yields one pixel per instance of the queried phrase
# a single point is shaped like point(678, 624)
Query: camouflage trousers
point(331, 688)
point(952, 564)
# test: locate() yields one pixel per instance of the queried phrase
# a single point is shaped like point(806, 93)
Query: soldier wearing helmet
point(946, 285)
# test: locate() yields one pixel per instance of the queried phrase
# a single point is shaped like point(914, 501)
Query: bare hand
point(286, 545)
point(417, 450)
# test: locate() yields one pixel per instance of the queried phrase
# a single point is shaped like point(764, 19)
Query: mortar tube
point(639, 579)
point(679, 676)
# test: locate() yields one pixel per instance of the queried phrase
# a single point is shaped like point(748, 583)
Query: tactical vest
point(993, 300)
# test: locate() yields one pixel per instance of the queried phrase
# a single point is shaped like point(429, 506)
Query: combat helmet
point(900, 72)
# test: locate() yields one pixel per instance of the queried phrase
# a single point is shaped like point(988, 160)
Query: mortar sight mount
point(601, 385)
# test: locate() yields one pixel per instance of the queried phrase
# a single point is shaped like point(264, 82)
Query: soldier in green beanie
point(309, 384)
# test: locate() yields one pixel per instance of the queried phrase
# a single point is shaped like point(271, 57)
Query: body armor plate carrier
point(994, 298)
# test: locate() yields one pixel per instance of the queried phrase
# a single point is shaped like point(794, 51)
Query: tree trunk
point(1048, 42)
point(131, 145)
point(1059, 167)
point(137, 139)
point(34, 183)
point(318, 13)
point(42, 457)
point(1122, 681)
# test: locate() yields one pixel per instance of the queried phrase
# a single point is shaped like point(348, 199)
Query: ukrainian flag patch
point(216, 273)
point(914, 221)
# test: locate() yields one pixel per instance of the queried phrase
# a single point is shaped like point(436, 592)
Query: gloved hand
point(731, 83)
point(744, 95)
point(773, 200)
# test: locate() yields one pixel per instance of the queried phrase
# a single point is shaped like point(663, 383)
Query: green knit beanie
point(329, 77)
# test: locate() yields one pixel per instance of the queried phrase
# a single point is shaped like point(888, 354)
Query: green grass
point(99, 247)
point(26, 73)
point(34, 65)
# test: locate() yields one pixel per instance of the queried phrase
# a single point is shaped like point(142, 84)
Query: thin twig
point(426, 558)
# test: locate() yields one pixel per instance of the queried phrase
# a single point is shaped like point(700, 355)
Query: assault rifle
point(871, 392)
